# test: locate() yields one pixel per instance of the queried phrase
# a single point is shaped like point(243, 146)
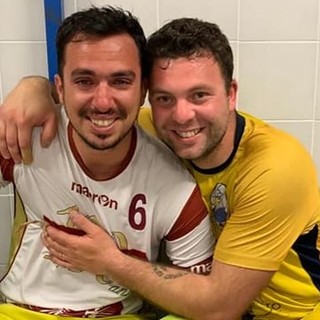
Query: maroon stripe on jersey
point(113, 309)
point(7, 169)
point(191, 215)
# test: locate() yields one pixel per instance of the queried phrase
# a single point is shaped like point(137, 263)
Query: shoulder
point(275, 168)
point(265, 147)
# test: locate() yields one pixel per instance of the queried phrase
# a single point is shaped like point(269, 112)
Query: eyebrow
point(158, 91)
point(195, 88)
point(88, 72)
point(78, 72)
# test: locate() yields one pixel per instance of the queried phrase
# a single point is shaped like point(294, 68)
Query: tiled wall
point(275, 42)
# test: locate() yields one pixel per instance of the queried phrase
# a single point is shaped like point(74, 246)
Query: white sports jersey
point(151, 198)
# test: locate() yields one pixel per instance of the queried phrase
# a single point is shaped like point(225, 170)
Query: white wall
point(275, 42)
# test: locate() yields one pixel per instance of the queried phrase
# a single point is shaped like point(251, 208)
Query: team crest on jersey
point(219, 204)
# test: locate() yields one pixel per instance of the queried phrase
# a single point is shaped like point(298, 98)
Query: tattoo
point(168, 274)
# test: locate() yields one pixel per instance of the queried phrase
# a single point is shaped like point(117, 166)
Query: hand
point(90, 252)
point(30, 104)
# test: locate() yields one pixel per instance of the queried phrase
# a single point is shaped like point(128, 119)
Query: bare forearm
point(178, 291)
point(38, 85)
point(35, 83)
point(223, 294)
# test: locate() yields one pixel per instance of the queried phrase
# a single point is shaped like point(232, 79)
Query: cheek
point(159, 116)
point(129, 99)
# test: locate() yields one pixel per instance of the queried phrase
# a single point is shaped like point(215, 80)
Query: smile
point(102, 123)
point(188, 134)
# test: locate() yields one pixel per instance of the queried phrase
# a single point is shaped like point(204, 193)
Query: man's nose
point(183, 111)
point(103, 97)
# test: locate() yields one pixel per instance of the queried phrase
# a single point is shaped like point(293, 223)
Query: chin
point(186, 155)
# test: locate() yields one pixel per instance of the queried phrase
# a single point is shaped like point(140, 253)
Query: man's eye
point(83, 83)
point(164, 100)
point(122, 83)
point(199, 97)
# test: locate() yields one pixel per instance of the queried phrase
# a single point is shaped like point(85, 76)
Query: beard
point(202, 149)
point(211, 146)
point(100, 142)
point(103, 146)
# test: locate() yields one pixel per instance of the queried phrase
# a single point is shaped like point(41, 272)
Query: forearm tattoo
point(169, 274)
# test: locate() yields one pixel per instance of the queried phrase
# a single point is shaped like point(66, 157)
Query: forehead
point(192, 62)
point(187, 71)
point(111, 52)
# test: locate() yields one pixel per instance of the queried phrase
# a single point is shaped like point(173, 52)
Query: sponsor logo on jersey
point(203, 268)
point(101, 199)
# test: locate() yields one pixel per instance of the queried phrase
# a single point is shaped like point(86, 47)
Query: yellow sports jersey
point(264, 203)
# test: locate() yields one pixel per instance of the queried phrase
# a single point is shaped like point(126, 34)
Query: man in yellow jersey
point(258, 181)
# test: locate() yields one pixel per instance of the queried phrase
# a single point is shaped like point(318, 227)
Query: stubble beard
point(99, 147)
point(95, 145)
point(208, 148)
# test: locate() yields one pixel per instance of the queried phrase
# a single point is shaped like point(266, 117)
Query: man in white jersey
point(105, 166)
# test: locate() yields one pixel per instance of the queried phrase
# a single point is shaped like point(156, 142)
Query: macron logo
point(101, 199)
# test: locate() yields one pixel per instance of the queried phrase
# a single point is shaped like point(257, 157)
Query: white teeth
point(102, 123)
point(188, 134)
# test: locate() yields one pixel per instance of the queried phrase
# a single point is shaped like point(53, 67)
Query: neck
point(103, 164)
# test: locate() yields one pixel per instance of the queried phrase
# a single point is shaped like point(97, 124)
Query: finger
point(26, 155)
point(3, 143)
point(81, 222)
point(24, 143)
point(52, 245)
point(12, 142)
point(44, 237)
point(62, 263)
point(60, 240)
point(49, 129)
point(59, 257)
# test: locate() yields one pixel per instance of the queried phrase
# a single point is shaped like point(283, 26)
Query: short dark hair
point(99, 22)
point(187, 37)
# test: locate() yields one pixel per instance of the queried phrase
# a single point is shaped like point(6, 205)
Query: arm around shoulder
point(224, 294)
point(29, 104)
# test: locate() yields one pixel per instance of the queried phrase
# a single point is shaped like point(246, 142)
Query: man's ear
point(233, 92)
point(54, 93)
point(59, 87)
point(144, 89)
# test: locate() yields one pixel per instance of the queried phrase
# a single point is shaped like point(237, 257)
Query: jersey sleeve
point(190, 241)
point(276, 201)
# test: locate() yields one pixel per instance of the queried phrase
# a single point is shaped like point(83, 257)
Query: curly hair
point(189, 37)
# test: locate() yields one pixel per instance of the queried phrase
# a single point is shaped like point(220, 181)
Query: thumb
point(49, 130)
point(81, 222)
